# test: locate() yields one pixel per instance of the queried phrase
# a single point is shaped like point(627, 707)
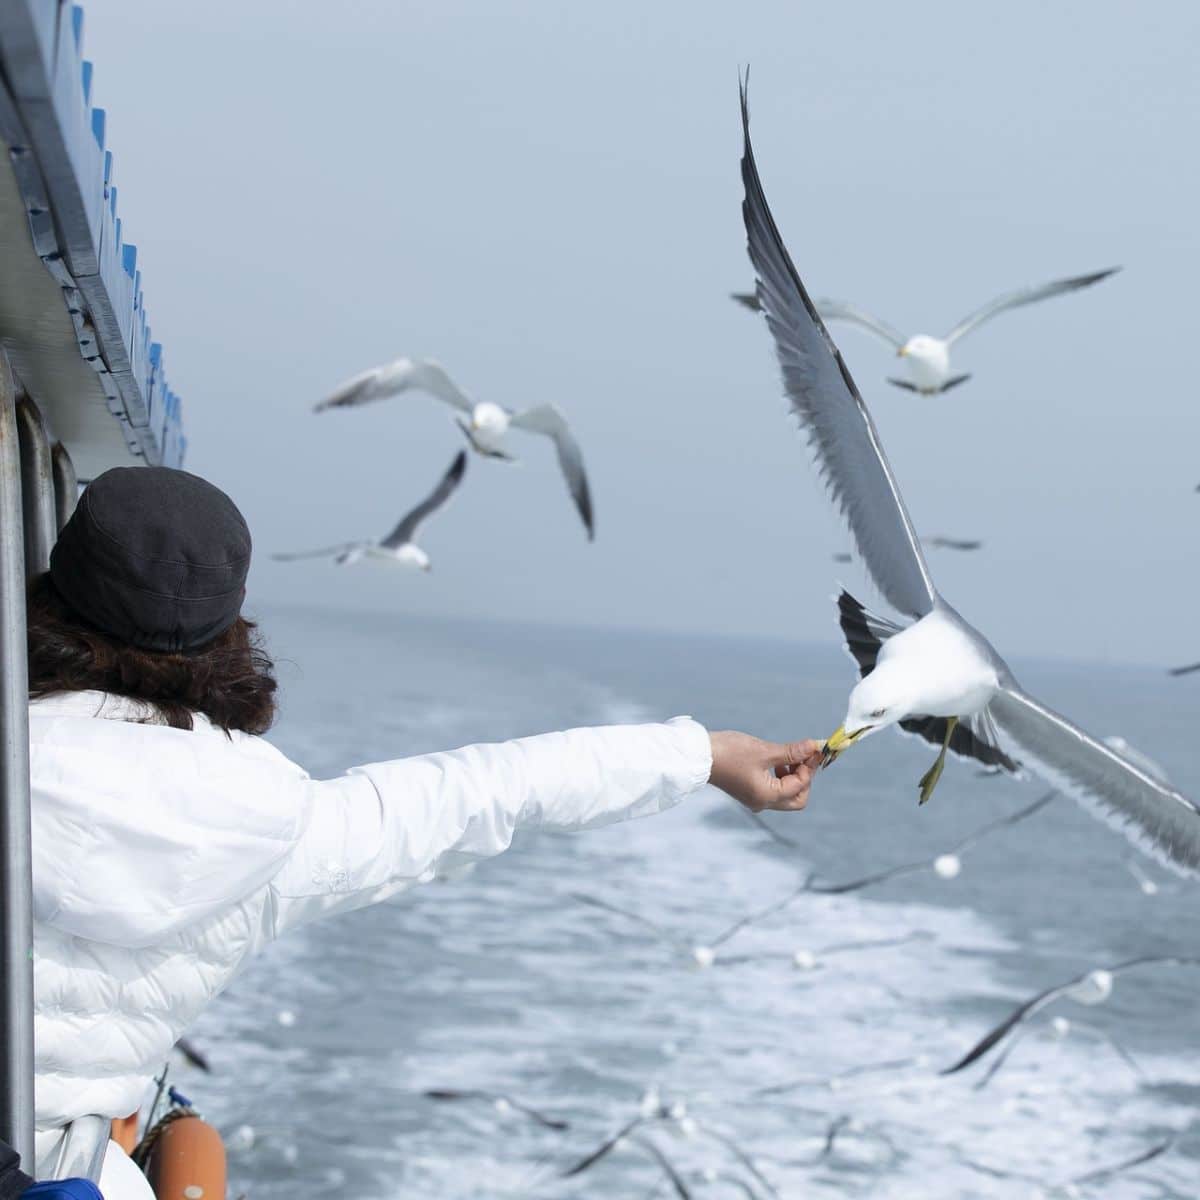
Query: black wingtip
point(1096, 276)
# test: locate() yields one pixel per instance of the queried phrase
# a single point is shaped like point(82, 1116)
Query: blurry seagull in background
point(1091, 987)
point(1184, 670)
point(485, 425)
point(937, 542)
point(936, 676)
point(928, 358)
point(398, 547)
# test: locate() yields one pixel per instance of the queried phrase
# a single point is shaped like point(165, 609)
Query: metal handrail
point(37, 487)
point(82, 1149)
point(66, 484)
point(16, 872)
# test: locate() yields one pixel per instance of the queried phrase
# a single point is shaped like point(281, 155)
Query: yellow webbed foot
point(930, 779)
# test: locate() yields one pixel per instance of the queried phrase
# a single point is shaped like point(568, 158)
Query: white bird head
point(881, 699)
point(1094, 988)
point(924, 348)
point(488, 418)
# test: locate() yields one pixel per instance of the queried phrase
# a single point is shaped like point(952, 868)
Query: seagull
point(398, 547)
point(501, 1102)
point(1185, 670)
point(946, 865)
point(936, 675)
point(192, 1055)
point(1070, 1187)
point(937, 542)
point(928, 358)
point(1091, 987)
point(486, 424)
point(1061, 1028)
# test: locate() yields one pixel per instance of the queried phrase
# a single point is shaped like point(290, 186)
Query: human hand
point(762, 774)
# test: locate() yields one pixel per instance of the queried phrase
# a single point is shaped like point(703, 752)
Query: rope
point(144, 1148)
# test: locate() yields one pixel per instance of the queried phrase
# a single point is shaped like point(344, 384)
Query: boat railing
point(16, 861)
point(38, 490)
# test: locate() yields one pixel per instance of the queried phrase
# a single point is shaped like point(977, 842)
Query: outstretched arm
point(382, 827)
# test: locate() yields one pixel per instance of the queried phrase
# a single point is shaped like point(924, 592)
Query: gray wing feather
point(353, 392)
point(1023, 296)
point(324, 552)
point(839, 310)
point(828, 405)
point(447, 485)
point(548, 419)
point(1153, 815)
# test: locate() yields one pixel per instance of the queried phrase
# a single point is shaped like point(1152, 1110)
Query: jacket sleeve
point(381, 828)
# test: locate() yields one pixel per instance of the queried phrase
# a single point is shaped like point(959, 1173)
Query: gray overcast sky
point(545, 196)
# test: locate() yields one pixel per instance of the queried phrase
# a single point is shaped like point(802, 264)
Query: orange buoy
point(124, 1132)
point(188, 1162)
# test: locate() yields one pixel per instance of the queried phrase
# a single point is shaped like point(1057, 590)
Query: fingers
point(790, 792)
point(795, 754)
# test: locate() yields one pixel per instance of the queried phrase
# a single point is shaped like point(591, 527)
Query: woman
point(171, 841)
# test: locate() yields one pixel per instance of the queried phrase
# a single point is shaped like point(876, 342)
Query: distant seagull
point(705, 954)
point(1091, 987)
point(934, 674)
point(500, 1102)
point(946, 865)
point(1070, 1187)
point(192, 1055)
point(398, 547)
point(1060, 1028)
point(928, 357)
point(487, 425)
point(936, 542)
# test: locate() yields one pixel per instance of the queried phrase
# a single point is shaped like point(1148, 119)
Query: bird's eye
point(877, 713)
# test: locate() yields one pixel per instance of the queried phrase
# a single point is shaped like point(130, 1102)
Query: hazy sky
point(545, 196)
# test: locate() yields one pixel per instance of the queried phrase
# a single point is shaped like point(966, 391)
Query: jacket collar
point(105, 706)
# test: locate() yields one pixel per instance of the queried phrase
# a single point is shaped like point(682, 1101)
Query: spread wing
point(547, 419)
point(1023, 296)
point(828, 405)
point(1035, 1004)
point(446, 487)
point(400, 375)
point(324, 552)
point(1127, 795)
point(359, 390)
point(839, 310)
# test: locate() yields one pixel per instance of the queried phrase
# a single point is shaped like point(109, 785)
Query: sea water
point(804, 1061)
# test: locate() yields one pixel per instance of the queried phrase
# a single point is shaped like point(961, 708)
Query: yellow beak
point(838, 741)
point(902, 352)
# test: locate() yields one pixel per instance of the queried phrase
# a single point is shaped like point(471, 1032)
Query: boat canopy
point(72, 315)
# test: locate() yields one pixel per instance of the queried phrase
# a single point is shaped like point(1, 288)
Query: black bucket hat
point(155, 557)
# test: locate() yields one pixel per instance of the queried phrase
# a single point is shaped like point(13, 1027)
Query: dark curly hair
point(230, 680)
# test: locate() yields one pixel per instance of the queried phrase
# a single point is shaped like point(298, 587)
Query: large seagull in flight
point(932, 673)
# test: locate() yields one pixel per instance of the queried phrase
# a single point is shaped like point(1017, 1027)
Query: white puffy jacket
point(163, 858)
